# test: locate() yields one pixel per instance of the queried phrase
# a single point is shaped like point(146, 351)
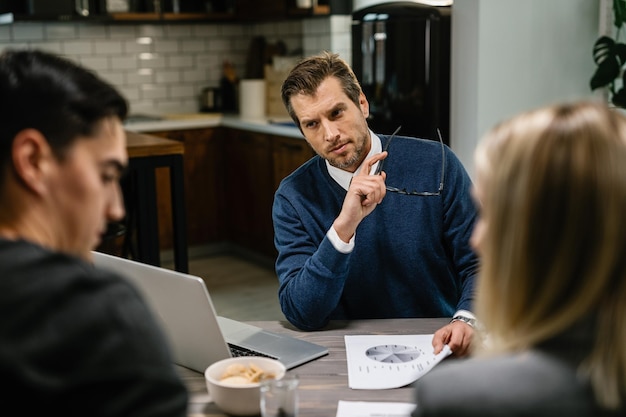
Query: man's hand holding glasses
point(364, 194)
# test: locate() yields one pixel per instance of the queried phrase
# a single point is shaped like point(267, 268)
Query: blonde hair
point(553, 189)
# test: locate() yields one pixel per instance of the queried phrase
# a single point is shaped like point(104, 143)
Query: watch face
point(467, 320)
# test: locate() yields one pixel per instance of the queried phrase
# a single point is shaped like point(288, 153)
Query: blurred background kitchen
point(177, 61)
point(163, 63)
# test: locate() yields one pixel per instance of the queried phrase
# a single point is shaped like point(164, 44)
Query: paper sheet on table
point(389, 361)
point(373, 409)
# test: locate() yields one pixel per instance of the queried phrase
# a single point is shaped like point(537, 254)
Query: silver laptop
point(197, 335)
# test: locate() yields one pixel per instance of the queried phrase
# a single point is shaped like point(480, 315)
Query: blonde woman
point(551, 292)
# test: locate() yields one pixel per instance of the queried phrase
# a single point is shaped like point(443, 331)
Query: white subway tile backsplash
point(195, 75)
point(153, 91)
point(238, 44)
point(124, 63)
point(214, 75)
point(204, 30)
point(193, 45)
point(179, 61)
point(5, 33)
point(154, 61)
point(230, 31)
point(168, 77)
point(161, 67)
point(78, 47)
point(115, 78)
point(182, 91)
point(60, 31)
point(178, 31)
point(92, 31)
point(131, 46)
point(155, 31)
point(131, 93)
point(166, 45)
point(122, 31)
point(54, 47)
point(174, 106)
point(95, 63)
point(209, 59)
point(107, 47)
point(140, 77)
point(222, 44)
point(28, 32)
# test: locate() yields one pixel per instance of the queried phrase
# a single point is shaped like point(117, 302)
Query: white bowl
point(239, 399)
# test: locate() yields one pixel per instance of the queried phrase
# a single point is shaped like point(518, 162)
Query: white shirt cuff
point(339, 244)
point(465, 313)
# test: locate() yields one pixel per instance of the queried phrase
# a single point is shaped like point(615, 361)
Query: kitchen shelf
point(318, 10)
point(123, 16)
point(198, 16)
point(8, 18)
point(171, 17)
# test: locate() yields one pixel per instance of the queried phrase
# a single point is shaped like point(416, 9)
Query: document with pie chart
point(389, 361)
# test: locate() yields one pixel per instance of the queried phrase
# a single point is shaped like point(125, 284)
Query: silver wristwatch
point(471, 322)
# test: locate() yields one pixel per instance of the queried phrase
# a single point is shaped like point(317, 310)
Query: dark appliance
point(64, 9)
point(401, 56)
point(211, 100)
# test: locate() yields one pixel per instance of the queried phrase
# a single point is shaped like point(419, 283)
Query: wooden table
point(324, 381)
point(146, 153)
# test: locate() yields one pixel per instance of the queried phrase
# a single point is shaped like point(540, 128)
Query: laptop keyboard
point(237, 351)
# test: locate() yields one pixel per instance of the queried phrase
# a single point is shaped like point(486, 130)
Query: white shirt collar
point(343, 178)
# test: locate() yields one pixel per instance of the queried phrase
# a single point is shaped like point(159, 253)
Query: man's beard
point(347, 163)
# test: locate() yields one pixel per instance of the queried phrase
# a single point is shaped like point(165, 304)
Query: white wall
point(510, 55)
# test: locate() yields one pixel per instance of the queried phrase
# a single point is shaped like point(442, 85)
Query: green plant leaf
point(606, 72)
point(602, 49)
point(610, 56)
point(619, 50)
point(619, 98)
point(619, 13)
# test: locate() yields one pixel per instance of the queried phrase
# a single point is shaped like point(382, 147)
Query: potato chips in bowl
point(234, 383)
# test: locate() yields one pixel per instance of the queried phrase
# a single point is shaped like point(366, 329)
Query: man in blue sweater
point(353, 244)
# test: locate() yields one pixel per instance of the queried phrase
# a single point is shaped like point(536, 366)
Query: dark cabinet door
point(203, 187)
point(231, 176)
point(249, 190)
point(256, 10)
point(289, 154)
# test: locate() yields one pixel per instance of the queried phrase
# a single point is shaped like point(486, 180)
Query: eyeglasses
point(404, 191)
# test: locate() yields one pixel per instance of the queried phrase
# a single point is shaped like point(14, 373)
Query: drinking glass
point(279, 397)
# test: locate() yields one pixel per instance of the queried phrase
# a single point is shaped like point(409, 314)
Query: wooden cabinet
point(231, 176)
point(287, 155)
point(318, 8)
point(164, 11)
point(249, 190)
point(173, 11)
point(252, 10)
point(249, 10)
point(203, 187)
point(170, 11)
point(257, 162)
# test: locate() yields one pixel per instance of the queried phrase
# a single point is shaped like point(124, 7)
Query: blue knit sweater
point(411, 257)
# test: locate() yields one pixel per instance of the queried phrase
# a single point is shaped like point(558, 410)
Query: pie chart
point(393, 353)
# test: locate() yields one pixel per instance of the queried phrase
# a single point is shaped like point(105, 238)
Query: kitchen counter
point(232, 167)
point(280, 127)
